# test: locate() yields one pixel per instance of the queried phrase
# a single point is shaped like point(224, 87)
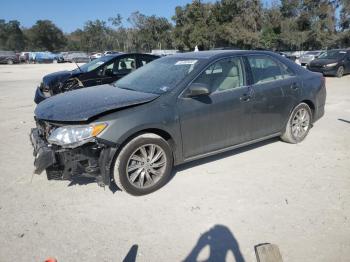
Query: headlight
point(331, 65)
point(73, 136)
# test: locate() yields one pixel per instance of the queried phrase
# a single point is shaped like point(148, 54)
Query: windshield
point(159, 76)
point(95, 63)
point(335, 54)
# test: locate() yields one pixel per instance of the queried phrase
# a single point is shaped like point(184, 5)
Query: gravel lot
point(295, 196)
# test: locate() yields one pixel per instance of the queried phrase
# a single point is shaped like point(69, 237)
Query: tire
point(340, 71)
point(296, 129)
point(150, 181)
point(10, 62)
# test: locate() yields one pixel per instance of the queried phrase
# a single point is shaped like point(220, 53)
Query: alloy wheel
point(340, 71)
point(146, 166)
point(300, 123)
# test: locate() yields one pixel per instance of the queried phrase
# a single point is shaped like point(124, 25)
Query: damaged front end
point(91, 157)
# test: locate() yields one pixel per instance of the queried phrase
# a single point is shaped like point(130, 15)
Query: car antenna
point(78, 66)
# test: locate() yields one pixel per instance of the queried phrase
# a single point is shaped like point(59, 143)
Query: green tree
point(152, 32)
point(45, 35)
point(11, 36)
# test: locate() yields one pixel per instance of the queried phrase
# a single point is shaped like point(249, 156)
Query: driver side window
point(223, 75)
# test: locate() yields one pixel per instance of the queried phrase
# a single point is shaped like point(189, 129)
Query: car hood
point(321, 62)
point(58, 77)
point(83, 104)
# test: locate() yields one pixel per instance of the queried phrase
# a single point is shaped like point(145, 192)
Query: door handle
point(294, 86)
point(245, 98)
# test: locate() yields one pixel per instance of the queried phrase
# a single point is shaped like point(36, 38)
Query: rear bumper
point(89, 160)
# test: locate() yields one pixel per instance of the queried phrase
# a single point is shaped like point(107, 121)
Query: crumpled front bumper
point(44, 155)
point(89, 160)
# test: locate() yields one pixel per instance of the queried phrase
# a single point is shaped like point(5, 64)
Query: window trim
point(277, 61)
point(244, 69)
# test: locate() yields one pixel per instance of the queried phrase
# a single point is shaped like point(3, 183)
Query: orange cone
point(50, 259)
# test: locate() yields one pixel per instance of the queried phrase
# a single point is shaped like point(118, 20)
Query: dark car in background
point(176, 109)
point(8, 57)
point(77, 57)
point(332, 63)
point(104, 70)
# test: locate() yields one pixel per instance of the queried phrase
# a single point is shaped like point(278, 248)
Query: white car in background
point(306, 58)
point(96, 56)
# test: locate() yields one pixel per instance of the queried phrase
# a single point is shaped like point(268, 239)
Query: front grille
point(316, 66)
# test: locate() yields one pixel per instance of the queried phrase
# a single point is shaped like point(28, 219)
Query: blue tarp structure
point(43, 56)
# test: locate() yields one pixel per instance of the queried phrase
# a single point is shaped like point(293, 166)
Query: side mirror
point(198, 89)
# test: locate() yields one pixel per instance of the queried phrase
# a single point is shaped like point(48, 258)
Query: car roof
point(218, 53)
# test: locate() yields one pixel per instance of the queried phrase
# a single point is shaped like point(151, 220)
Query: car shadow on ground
point(113, 187)
point(224, 155)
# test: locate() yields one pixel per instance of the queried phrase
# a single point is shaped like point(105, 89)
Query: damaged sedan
point(174, 110)
point(104, 70)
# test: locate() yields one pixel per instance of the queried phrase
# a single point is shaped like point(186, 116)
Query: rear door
point(276, 90)
point(221, 119)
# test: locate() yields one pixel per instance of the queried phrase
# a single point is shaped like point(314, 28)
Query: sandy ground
point(295, 196)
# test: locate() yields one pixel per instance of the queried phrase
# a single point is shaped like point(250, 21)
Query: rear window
point(266, 69)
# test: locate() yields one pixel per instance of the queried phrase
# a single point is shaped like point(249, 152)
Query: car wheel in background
point(10, 62)
point(143, 165)
point(298, 125)
point(340, 71)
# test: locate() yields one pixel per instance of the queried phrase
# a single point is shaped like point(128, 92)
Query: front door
point(221, 119)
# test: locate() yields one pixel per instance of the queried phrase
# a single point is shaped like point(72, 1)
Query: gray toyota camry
point(174, 110)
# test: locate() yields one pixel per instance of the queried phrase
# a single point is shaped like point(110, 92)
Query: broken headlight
point(73, 136)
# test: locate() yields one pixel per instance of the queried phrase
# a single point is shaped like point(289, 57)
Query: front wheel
point(298, 125)
point(340, 71)
point(10, 62)
point(143, 165)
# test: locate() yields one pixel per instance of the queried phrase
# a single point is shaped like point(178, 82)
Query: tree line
point(245, 24)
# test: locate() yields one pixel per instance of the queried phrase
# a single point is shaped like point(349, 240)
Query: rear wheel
point(298, 125)
point(10, 62)
point(143, 165)
point(340, 71)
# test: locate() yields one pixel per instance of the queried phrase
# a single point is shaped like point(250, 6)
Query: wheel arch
point(311, 105)
point(157, 131)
